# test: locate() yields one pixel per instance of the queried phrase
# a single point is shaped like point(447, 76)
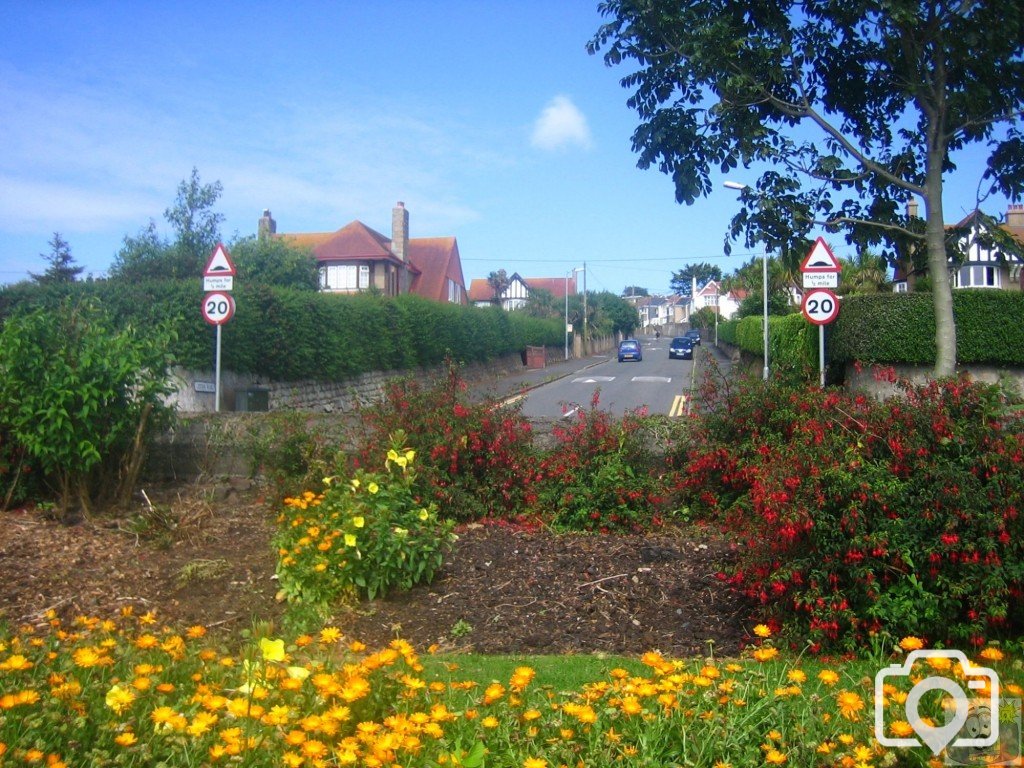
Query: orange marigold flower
point(991, 654)
point(850, 705)
point(911, 643)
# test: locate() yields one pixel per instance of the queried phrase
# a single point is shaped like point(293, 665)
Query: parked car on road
point(681, 348)
point(630, 350)
point(694, 335)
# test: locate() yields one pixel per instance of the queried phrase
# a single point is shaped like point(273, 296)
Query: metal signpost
point(820, 272)
point(218, 304)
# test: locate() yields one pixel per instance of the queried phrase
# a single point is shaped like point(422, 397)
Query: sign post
point(820, 271)
point(218, 305)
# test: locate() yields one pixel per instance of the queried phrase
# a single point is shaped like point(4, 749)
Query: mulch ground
point(502, 589)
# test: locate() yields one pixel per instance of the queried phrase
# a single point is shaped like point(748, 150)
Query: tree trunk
point(938, 271)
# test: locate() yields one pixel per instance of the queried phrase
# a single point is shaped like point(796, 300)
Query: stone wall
point(316, 396)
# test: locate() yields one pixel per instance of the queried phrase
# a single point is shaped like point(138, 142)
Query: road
point(660, 384)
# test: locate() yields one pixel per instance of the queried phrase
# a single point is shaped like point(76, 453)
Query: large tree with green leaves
point(682, 280)
point(196, 228)
point(855, 106)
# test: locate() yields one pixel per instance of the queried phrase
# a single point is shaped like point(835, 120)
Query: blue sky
point(488, 119)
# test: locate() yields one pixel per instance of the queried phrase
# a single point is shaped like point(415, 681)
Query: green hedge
point(900, 328)
point(288, 334)
point(792, 341)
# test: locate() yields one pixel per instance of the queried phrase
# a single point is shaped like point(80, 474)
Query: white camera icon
point(939, 737)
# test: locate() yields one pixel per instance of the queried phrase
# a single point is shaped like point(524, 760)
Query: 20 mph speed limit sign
point(821, 306)
point(218, 308)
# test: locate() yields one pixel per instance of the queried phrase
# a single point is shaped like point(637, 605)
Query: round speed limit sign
point(218, 308)
point(821, 306)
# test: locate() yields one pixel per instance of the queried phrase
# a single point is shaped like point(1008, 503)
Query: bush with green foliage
point(900, 328)
point(291, 334)
point(364, 535)
point(860, 516)
point(475, 460)
point(602, 474)
point(80, 398)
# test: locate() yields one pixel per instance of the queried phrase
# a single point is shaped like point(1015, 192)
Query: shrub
point(900, 328)
point(476, 460)
point(361, 536)
point(862, 517)
point(79, 400)
point(601, 476)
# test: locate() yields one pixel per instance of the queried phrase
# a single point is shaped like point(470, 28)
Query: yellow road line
point(678, 406)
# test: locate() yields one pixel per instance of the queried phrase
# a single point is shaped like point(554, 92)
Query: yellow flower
point(828, 677)
point(119, 699)
point(330, 635)
point(16, 663)
point(763, 630)
point(272, 650)
point(911, 643)
point(901, 729)
point(991, 654)
point(850, 705)
point(350, 539)
point(125, 739)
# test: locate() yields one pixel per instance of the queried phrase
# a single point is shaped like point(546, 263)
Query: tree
point(682, 281)
point(855, 105)
point(498, 281)
point(194, 221)
point(62, 267)
point(270, 261)
point(147, 256)
point(865, 273)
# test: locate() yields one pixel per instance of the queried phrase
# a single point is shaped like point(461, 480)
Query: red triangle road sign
point(821, 259)
point(220, 263)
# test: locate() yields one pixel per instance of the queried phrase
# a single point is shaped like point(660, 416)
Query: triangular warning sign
point(821, 259)
point(219, 263)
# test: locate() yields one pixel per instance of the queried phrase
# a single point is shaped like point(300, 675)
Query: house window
point(345, 277)
point(977, 276)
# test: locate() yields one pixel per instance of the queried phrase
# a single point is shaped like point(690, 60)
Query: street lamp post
point(764, 287)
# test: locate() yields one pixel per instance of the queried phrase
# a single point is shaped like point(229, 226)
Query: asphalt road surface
point(657, 383)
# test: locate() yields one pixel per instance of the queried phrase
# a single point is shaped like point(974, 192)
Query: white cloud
point(561, 125)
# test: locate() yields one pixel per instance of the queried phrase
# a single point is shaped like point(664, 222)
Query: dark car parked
point(630, 350)
point(681, 348)
point(694, 335)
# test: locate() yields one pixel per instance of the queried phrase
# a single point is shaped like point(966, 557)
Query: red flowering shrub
point(861, 516)
point(474, 460)
point(602, 475)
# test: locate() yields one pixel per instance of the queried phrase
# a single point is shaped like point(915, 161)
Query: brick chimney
point(267, 225)
point(1015, 215)
point(400, 242)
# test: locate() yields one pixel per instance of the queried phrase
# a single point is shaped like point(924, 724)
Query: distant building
point(356, 258)
point(517, 294)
